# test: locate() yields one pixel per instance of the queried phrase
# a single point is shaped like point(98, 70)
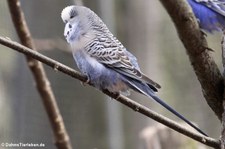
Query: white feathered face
point(70, 17)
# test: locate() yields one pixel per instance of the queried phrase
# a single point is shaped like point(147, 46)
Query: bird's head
point(76, 19)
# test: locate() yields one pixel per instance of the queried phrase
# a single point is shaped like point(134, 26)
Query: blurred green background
point(93, 120)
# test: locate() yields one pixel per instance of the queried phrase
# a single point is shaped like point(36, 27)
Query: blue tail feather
point(146, 90)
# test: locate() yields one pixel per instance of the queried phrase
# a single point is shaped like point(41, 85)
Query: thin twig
point(61, 137)
point(124, 100)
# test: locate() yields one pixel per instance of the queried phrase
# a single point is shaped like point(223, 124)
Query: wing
point(216, 5)
point(110, 52)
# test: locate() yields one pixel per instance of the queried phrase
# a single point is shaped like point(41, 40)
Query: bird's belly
point(106, 78)
point(113, 83)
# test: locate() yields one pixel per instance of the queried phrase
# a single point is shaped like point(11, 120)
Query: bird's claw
point(86, 82)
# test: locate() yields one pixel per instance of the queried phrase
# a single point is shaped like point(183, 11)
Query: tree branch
point(197, 49)
point(61, 137)
point(222, 138)
point(122, 99)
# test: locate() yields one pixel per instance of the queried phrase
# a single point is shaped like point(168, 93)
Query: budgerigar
point(103, 59)
point(210, 14)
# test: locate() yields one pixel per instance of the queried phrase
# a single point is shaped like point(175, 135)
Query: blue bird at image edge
point(210, 14)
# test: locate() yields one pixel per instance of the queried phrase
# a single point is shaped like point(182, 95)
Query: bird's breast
point(82, 41)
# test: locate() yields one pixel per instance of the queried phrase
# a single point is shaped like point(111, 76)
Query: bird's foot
point(125, 93)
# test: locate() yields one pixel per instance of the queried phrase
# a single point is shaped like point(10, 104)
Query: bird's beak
point(66, 30)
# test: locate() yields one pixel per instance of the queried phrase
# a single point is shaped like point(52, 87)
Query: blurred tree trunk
point(140, 24)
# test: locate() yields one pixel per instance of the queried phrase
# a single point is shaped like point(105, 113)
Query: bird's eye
point(73, 14)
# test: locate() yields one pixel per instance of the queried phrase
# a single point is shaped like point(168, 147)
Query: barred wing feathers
point(110, 52)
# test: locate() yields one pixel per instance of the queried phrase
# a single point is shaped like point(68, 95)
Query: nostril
point(67, 32)
point(70, 26)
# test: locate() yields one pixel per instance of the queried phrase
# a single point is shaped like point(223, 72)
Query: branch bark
point(61, 137)
point(197, 49)
point(222, 138)
point(122, 99)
